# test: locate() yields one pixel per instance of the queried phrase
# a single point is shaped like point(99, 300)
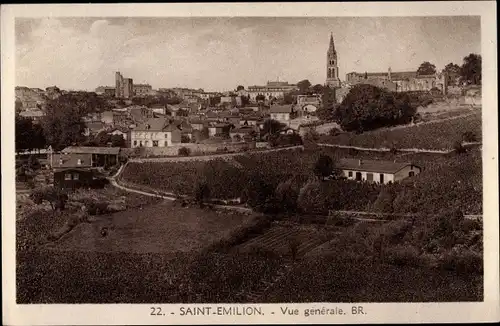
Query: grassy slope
point(155, 228)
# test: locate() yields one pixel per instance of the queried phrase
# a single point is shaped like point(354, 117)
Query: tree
point(426, 68)
point(62, 124)
point(23, 133)
point(323, 167)
point(201, 192)
point(184, 151)
point(55, 196)
point(453, 71)
point(367, 107)
point(117, 141)
point(260, 98)
point(318, 89)
point(289, 98)
point(303, 86)
point(272, 127)
point(240, 87)
point(329, 105)
point(471, 69)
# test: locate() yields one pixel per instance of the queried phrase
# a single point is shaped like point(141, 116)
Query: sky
point(218, 54)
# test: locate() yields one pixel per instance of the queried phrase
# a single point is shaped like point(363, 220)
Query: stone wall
point(196, 149)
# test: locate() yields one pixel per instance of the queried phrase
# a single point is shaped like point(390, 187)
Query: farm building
point(376, 171)
point(100, 156)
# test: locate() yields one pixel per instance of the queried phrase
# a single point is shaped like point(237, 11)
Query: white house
point(155, 132)
point(377, 171)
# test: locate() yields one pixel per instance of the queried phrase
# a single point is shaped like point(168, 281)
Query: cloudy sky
point(221, 53)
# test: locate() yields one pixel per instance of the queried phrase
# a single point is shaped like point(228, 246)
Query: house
point(282, 113)
point(72, 170)
point(120, 132)
point(197, 124)
point(93, 128)
point(246, 133)
point(159, 108)
point(100, 156)
point(219, 129)
point(34, 115)
point(376, 170)
point(155, 132)
point(140, 114)
point(107, 117)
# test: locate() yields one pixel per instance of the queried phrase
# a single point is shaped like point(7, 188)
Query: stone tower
point(332, 69)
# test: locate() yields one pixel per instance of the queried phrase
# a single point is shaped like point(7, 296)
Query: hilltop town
point(279, 192)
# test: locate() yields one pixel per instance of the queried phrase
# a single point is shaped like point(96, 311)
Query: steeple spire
point(332, 45)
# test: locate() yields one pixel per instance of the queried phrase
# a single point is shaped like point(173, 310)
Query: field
point(157, 228)
point(440, 135)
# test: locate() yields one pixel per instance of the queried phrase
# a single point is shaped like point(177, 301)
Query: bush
point(463, 261)
point(323, 167)
point(184, 151)
point(334, 132)
point(185, 139)
point(469, 136)
point(459, 148)
point(312, 200)
point(402, 255)
point(55, 196)
point(287, 194)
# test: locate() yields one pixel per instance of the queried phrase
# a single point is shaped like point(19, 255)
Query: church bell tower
point(332, 69)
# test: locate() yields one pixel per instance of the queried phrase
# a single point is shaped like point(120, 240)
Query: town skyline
point(217, 54)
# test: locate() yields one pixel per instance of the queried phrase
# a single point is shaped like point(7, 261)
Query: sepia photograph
point(249, 160)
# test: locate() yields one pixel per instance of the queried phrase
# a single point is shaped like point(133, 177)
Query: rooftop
point(281, 109)
point(91, 150)
point(371, 165)
point(72, 160)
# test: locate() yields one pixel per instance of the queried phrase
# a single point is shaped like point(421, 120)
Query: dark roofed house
point(376, 170)
point(72, 170)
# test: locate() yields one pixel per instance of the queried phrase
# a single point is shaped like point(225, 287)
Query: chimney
point(360, 162)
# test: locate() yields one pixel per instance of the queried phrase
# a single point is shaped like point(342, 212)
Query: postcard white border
point(140, 314)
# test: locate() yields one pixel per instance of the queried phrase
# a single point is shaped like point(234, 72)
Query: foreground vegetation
point(430, 259)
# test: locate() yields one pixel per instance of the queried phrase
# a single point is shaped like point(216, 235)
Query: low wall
point(196, 149)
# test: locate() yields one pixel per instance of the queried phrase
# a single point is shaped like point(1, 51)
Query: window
point(358, 176)
point(411, 173)
point(166, 136)
point(350, 174)
point(155, 143)
point(369, 176)
point(76, 176)
point(381, 178)
point(67, 176)
point(135, 142)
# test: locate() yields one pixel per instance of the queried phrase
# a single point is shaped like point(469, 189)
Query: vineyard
point(446, 181)
point(439, 135)
point(281, 239)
